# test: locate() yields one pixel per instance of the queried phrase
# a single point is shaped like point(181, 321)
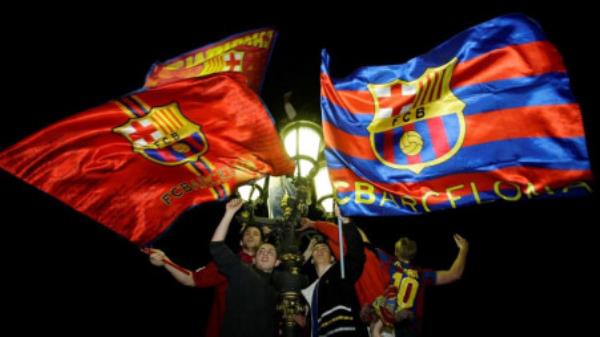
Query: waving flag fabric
point(486, 115)
point(246, 53)
point(135, 163)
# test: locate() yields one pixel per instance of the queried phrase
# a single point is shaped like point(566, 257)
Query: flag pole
point(341, 240)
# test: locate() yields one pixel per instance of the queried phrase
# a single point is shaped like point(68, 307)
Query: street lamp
point(323, 190)
point(304, 144)
point(251, 192)
point(289, 199)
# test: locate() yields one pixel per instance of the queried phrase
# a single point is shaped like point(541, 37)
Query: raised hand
point(309, 249)
point(461, 242)
point(234, 205)
point(157, 257)
point(306, 223)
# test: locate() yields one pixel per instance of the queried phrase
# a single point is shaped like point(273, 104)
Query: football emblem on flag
point(411, 143)
point(417, 123)
point(165, 136)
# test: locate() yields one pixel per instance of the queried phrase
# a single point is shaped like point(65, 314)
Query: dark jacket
point(251, 297)
point(337, 309)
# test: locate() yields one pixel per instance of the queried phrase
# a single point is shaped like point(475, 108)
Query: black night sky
point(530, 267)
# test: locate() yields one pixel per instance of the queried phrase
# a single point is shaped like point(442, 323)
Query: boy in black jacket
point(334, 308)
point(251, 297)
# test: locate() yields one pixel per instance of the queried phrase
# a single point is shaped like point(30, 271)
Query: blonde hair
point(405, 249)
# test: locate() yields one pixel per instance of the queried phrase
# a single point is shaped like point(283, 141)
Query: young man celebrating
point(334, 307)
point(401, 306)
point(251, 298)
point(209, 276)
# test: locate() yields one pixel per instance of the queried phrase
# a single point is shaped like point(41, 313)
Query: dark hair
point(405, 249)
point(272, 244)
point(248, 226)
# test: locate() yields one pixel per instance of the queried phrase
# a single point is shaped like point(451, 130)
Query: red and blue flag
point(486, 115)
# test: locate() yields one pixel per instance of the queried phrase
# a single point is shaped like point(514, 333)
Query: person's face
point(321, 254)
point(266, 257)
point(251, 238)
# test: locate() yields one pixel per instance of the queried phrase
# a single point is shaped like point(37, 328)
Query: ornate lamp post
point(289, 199)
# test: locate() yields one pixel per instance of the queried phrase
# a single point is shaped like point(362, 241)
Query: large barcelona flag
point(486, 115)
point(137, 162)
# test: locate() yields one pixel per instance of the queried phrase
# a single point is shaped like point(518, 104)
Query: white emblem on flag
point(233, 61)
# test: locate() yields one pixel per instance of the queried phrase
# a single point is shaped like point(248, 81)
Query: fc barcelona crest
point(165, 136)
point(229, 61)
point(419, 123)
